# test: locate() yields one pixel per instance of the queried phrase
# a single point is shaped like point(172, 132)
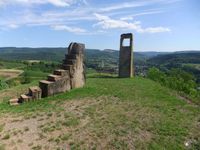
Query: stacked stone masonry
point(71, 75)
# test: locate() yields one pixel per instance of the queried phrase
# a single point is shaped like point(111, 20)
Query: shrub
point(156, 75)
point(3, 85)
point(176, 79)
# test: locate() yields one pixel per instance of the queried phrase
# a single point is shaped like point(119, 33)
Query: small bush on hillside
point(3, 85)
point(176, 79)
point(26, 78)
point(156, 75)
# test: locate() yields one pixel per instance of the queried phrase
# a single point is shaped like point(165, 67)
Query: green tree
point(26, 78)
point(156, 75)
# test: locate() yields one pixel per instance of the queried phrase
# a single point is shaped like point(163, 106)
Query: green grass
point(35, 75)
point(135, 110)
point(11, 64)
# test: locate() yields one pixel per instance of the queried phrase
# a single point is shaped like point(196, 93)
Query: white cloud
point(69, 29)
point(136, 3)
point(58, 3)
point(122, 6)
point(127, 18)
point(106, 22)
point(156, 29)
point(66, 19)
point(13, 26)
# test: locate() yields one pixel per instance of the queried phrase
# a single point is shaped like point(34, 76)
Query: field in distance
point(9, 73)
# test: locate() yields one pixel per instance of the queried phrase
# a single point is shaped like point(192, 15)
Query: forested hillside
point(188, 61)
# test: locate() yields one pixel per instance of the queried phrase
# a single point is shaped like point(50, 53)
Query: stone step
point(69, 62)
point(67, 67)
point(46, 82)
point(70, 56)
point(44, 85)
point(14, 100)
point(53, 78)
point(51, 88)
point(25, 98)
point(61, 72)
point(34, 89)
point(35, 92)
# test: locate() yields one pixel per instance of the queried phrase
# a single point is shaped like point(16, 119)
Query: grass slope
point(108, 113)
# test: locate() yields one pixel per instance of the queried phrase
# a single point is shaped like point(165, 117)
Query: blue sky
point(157, 25)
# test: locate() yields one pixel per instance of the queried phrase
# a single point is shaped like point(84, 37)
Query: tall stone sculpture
point(126, 56)
point(71, 75)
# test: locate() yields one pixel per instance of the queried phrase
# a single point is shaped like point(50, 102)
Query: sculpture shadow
point(102, 76)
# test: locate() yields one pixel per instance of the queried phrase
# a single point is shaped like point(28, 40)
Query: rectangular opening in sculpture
point(126, 42)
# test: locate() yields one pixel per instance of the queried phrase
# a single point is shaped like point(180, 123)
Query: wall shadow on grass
point(102, 75)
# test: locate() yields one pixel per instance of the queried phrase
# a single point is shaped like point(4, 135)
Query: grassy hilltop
point(108, 113)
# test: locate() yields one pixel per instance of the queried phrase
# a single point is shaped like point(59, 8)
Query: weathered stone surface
point(126, 56)
point(14, 100)
point(25, 98)
point(75, 64)
point(70, 76)
point(51, 88)
point(61, 72)
point(35, 92)
point(52, 77)
point(76, 48)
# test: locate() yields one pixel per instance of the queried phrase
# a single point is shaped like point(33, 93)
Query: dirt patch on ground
point(90, 123)
point(10, 73)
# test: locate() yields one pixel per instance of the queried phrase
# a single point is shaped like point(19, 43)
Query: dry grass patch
point(10, 73)
point(102, 123)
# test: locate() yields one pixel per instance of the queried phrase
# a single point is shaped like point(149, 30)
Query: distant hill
point(57, 53)
point(151, 54)
point(49, 54)
point(94, 56)
point(177, 57)
point(186, 60)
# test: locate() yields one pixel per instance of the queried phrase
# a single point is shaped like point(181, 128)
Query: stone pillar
point(126, 56)
point(76, 66)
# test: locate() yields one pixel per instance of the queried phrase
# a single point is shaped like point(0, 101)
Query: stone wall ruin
point(70, 76)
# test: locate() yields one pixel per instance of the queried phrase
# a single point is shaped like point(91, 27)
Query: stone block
point(67, 67)
point(14, 100)
point(51, 88)
point(25, 98)
point(70, 56)
point(69, 62)
point(52, 77)
point(61, 72)
point(35, 92)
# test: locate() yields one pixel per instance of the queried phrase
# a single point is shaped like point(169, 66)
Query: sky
point(157, 25)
